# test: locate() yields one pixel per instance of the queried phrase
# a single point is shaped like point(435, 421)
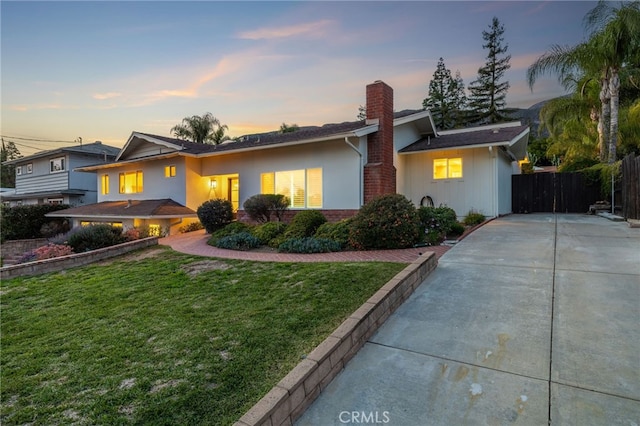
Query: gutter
point(360, 169)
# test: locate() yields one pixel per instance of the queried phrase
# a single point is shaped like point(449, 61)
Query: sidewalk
point(196, 243)
point(530, 320)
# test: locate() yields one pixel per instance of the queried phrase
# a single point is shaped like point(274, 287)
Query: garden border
point(77, 259)
point(289, 399)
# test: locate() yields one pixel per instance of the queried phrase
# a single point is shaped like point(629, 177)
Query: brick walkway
point(196, 243)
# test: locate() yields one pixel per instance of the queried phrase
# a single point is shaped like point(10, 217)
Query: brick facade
point(379, 172)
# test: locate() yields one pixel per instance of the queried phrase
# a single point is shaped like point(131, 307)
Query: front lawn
point(160, 337)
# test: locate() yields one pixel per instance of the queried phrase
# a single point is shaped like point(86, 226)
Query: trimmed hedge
point(268, 231)
point(215, 214)
point(29, 221)
point(304, 224)
point(309, 245)
point(240, 241)
point(260, 207)
point(387, 222)
point(92, 237)
point(335, 231)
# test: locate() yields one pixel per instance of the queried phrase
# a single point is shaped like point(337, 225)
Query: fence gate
point(552, 193)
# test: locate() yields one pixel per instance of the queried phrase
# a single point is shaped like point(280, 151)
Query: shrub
point(215, 214)
point(436, 223)
point(238, 241)
point(193, 226)
point(49, 251)
point(336, 231)
point(93, 237)
point(309, 245)
point(260, 207)
point(268, 231)
point(304, 224)
point(456, 230)
point(54, 227)
point(387, 222)
point(230, 229)
point(473, 218)
point(25, 222)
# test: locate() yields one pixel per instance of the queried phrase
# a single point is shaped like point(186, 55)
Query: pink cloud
point(313, 29)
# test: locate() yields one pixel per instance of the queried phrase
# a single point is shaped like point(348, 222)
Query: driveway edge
point(289, 399)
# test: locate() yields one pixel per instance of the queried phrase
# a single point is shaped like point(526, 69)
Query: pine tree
point(488, 93)
point(8, 175)
point(446, 97)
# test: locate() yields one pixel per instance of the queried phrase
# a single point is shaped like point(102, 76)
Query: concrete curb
point(72, 260)
point(289, 399)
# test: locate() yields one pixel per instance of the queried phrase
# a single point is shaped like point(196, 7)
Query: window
point(131, 182)
point(170, 171)
point(29, 168)
point(18, 170)
point(303, 188)
point(447, 168)
point(154, 230)
point(57, 165)
point(55, 200)
point(105, 184)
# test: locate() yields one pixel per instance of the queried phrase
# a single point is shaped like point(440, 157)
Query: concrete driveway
point(531, 320)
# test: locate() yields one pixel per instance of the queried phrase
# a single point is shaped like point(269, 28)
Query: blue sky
point(100, 70)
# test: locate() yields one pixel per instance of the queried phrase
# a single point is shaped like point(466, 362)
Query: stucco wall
point(340, 169)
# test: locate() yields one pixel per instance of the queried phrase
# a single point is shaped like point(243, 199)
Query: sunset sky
point(100, 70)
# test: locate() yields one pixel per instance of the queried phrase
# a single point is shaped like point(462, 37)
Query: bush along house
point(160, 182)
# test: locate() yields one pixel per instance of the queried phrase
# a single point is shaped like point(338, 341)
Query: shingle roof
point(275, 137)
point(497, 136)
point(97, 149)
point(128, 209)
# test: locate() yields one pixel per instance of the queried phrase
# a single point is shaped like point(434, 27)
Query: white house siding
point(475, 191)
point(340, 169)
point(505, 170)
point(403, 136)
point(155, 185)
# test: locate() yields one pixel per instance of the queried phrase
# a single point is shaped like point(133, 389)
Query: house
point(50, 177)
point(336, 168)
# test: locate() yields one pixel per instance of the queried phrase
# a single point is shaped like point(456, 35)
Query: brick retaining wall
point(73, 260)
point(16, 248)
point(288, 400)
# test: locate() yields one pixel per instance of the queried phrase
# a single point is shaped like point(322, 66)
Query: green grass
point(147, 339)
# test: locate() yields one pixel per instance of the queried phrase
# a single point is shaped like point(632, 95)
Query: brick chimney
point(379, 172)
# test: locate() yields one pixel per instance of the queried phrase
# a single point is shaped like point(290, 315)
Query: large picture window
point(303, 187)
point(447, 168)
point(131, 182)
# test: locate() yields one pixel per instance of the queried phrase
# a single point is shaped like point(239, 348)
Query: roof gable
point(94, 149)
point(162, 208)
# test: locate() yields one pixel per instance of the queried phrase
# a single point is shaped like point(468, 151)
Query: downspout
point(494, 178)
point(360, 171)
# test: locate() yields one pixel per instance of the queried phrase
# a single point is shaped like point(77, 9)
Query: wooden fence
point(552, 193)
point(631, 187)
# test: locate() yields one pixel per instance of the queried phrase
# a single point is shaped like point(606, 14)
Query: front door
point(234, 192)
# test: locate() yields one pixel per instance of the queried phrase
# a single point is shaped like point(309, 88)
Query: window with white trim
point(104, 184)
point(447, 168)
point(303, 187)
point(169, 171)
point(57, 165)
point(18, 170)
point(130, 182)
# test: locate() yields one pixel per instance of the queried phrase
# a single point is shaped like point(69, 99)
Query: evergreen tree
point(8, 152)
point(488, 93)
point(446, 97)
point(362, 113)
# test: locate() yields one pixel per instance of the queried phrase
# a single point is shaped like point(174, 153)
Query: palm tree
point(201, 129)
point(614, 42)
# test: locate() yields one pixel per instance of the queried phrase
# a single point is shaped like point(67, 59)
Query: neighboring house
point(49, 177)
point(335, 168)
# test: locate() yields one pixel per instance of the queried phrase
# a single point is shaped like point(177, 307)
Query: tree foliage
point(446, 98)
point(610, 57)
point(488, 93)
point(8, 152)
point(201, 129)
